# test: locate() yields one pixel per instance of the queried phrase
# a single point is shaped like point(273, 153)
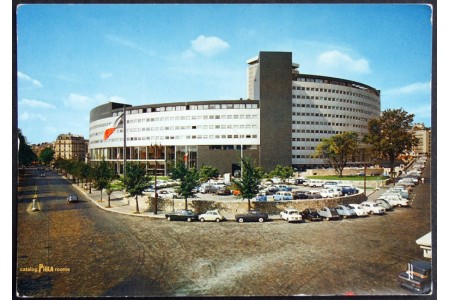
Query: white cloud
point(418, 87)
point(25, 77)
point(126, 43)
point(79, 102)
point(337, 60)
point(208, 45)
point(25, 116)
point(35, 103)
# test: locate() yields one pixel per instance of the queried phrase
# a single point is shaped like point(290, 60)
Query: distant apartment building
point(423, 134)
point(70, 146)
point(38, 148)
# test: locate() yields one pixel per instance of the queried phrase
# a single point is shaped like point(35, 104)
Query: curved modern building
point(285, 117)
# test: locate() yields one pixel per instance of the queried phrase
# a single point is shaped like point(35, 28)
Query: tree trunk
point(249, 206)
point(101, 195)
point(185, 203)
point(137, 204)
point(109, 200)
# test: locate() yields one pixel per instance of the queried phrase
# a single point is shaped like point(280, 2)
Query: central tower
point(270, 82)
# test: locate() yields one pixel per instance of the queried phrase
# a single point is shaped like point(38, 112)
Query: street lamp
point(156, 193)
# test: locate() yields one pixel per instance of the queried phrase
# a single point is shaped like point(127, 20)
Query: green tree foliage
point(282, 172)
point(47, 156)
point(337, 149)
point(391, 135)
point(247, 185)
point(208, 172)
point(102, 176)
point(26, 156)
point(189, 179)
point(135, 181)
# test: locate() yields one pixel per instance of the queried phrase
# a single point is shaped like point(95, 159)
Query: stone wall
point(230, 208)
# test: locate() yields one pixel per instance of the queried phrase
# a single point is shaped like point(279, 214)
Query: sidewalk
point(119, 203)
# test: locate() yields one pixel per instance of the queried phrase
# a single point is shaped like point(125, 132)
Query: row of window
point(301, 88)
point(329, 124)
point(179, 137)
point(183, 118)
point(354, 102)
point(193, 107)
point(355, 110)
point(328, 116)
point(304, 148)
point(337, 82)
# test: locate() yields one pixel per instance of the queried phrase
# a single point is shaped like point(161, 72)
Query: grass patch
point(355, 178)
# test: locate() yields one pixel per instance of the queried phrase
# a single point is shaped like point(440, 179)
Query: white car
point(396, 200)
point(329, 193)
point(211, 215)
point(359, 210)
point(345, 211)
point(371, 207)
point(291, 215)
point(384, 203)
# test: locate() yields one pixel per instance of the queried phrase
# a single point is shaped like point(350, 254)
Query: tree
point(337, 149)
point(247, 185)
point(189, 179)
point(282, 172)
point(391, 135)
point(102, 176)
point(135, 181)
point(208, 172)
point(26, 154)
point(47, 155)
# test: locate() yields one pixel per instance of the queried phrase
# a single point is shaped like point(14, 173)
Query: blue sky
point(71, 58)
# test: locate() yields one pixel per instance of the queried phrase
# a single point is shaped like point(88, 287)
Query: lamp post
point(156, 193)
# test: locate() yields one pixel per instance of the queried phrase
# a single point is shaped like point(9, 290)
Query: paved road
point(105, 254)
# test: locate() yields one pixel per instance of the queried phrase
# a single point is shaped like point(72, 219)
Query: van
point(315, 182)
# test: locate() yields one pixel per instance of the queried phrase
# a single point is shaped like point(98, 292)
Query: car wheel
point(260, 220)
point(345, 217)
point(371, 212)
point(327, 219)
point(241, 220)
point(399, 205)
point(217, 220)
point(189, 219)
point(168, 218)
point(202, 219)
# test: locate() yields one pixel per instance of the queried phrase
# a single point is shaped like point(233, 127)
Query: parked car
point(384, 203)
point(261, 197)
point(399, 202)
point(252, 216)
point(328, 193)
point(291, 215)
point(349, 190)
point(72, 198)
point(182, 215)
point(417, 277)
point(283, 187)
point(223, 191)
point(208, 189)
point(329, 184)
point(311, 214)
point(211, 215)
point(313, 195)
point(299, 181)
point(283, 196)
point(345, 211)
point(315, 183)
point(329, 213)
point(371, 208)
point(359, 210)
point(299, 195)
